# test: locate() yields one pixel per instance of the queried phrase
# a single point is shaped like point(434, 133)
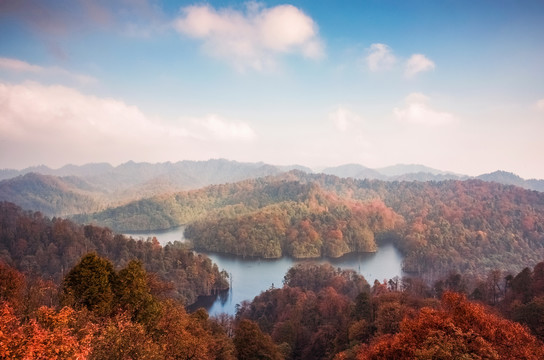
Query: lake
point(249, 277)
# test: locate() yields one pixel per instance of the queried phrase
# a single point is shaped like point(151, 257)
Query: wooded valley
point(473, 250)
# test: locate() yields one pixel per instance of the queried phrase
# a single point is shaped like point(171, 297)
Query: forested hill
point(52, 195)
point(92, 187)
point(469, 226)
point(49, 248)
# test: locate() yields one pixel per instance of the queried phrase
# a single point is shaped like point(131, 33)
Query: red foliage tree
point(460, 330)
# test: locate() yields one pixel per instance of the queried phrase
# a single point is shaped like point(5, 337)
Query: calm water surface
point(249, 277)
point(164, 236)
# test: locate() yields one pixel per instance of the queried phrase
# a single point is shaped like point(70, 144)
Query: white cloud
point(418, 63)
point(344, 118)
point(33, 111)
point(25, 67)
point(18, 65)
point(45, 124)
point(540, 105)
point(380, 57)
point(252, 38)
point(219, 128)
point(418, 111)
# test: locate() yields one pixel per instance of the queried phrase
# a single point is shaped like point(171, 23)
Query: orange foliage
point(50, 337)
point(460, 330)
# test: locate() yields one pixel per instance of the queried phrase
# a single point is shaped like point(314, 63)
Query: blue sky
point(455, 85)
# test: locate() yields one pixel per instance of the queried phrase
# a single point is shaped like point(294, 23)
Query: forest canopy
point(36, 244)
point(467, 226)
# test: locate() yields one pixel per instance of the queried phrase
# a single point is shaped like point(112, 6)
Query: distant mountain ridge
point(355, 171)
point(48, 194)
point(403, 169)
point(415, 172)
point(92, 187)
point(508, 178)
point(399, 172)
point(75, 189)
point(203, 169)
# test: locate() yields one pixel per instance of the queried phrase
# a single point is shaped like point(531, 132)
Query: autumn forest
point(73, 287)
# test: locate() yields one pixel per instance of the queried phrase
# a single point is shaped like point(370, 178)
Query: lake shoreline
point(249, 276)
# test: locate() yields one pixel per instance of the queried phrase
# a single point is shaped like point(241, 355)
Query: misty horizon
point(455, 86)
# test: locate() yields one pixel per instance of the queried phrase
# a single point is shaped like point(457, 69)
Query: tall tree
point(133, 293)
point(89, 285)
point(252, 344)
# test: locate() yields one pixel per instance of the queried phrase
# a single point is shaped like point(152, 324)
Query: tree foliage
point(459, 330)
point(84, 330)
point(91, 284)
point(468, 227)
point(252, 344)
point(33, 243)
point(317, 224)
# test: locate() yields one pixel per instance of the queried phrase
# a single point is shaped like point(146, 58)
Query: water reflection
point(164, 236)
point(249, 277)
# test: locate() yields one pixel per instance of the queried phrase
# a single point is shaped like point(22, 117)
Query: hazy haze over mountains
point(92, 187)
point(79, 189)
point(368, 82)
point(139, 94)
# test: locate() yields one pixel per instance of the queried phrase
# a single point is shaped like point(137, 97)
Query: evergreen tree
point(89, 285)
point(133, 294)
point(252, 344)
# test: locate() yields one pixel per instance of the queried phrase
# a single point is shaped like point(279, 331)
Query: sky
point(456, 85)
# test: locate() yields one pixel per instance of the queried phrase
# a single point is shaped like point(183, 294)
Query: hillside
point(319, 313)
point(316, 224)
point(59, 196)
point(88, 188)
point(36, 244)
point(75, 189)
point(508, 178)
point(168, 210)
point(470, 226)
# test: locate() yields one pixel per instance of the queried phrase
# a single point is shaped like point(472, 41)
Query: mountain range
point(93, 187)
point(414, 172)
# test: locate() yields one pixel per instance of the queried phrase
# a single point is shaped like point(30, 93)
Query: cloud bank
point(17, 65)
point(254, 38)
point(418, 111)
point(40, 123)
point(221, 129)
point(344, 119)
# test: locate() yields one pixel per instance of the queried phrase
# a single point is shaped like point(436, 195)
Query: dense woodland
point(324, 313)
point(35, 244)
point(319, 224)
point(467, 226)
point(319, 313)
point(52, 195)
point(92, 187)
point(473, 250)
